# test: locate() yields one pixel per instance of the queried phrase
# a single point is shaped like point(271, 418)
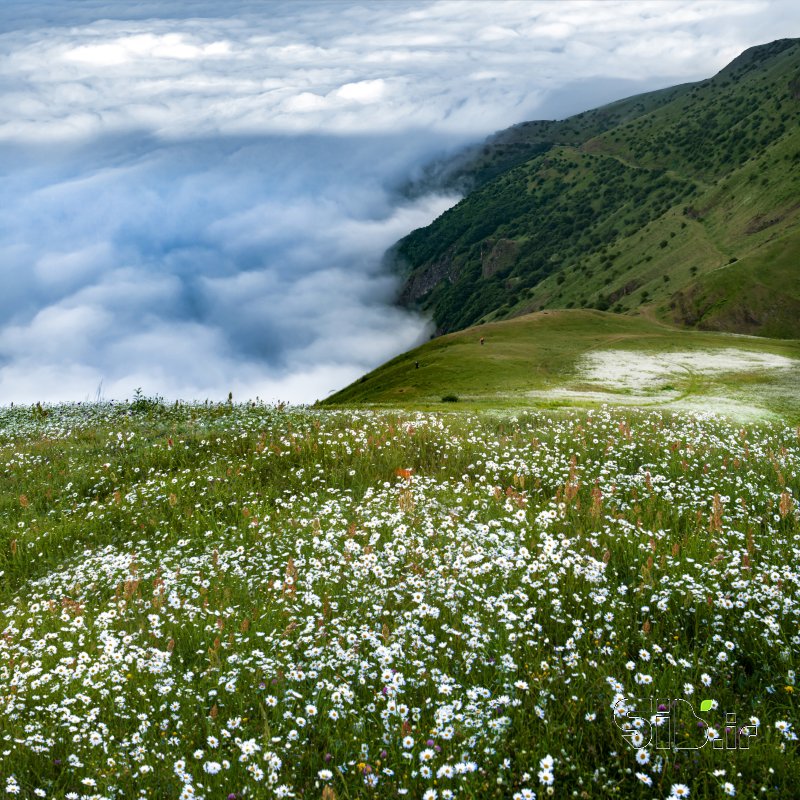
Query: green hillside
point(728, 298)
point(643, 206)
point(586, 358)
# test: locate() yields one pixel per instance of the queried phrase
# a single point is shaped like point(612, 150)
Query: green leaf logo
point(706, 705)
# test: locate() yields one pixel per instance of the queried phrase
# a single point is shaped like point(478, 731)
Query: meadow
point(582, 358)
point(240, 600)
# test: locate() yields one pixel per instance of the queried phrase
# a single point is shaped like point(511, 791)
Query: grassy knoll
point(539, 360)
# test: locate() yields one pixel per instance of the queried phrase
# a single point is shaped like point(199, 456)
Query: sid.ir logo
point(674, 725)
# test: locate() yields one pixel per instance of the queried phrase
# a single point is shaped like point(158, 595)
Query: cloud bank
point(244, 265)
point(198, 204)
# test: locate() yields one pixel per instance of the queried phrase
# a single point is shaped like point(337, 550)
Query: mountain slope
point(588, 358)
point(635, 207)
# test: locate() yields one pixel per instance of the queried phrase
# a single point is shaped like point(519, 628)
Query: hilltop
point(682, 205)
point(586, 358)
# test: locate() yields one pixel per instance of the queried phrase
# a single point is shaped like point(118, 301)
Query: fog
point(197, 268)
point(194, 204)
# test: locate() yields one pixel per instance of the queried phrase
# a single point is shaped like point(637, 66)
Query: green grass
point(760, 293)
point(206, 601)
point(528, 361)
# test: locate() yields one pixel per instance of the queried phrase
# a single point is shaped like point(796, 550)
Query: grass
point(528, 362)
point(759, 293)
point(238, 600)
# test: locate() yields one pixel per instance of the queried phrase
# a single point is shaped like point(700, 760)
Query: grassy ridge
point(529, 361)
point(519, 143)
point(630, 209)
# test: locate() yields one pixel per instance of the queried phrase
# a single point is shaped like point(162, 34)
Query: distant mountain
point(683, 204)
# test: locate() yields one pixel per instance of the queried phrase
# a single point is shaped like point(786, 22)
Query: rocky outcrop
point(425, 278)
point(498, 256)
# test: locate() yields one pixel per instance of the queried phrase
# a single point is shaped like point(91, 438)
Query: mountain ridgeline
point(683, 204)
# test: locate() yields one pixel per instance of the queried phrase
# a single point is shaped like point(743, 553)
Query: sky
point(195, 197)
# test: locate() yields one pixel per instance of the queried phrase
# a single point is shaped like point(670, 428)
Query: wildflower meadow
point(249, 601)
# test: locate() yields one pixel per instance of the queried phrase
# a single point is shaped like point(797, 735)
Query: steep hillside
point(641, 206)
point(760, 294)
point(589, 358)
point(519, 143)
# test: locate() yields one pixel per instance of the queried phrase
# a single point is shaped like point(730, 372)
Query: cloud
point(196, 203)
point(144, 47)
point(314, 66)
point(195, 268)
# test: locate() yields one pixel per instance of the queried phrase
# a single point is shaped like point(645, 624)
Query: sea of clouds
point(195, 197)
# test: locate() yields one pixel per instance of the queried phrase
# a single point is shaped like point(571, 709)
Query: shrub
point(146, 405)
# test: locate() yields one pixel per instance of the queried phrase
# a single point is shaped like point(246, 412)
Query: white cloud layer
point(194, 269)
point(462, 66)
point(195, 202)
